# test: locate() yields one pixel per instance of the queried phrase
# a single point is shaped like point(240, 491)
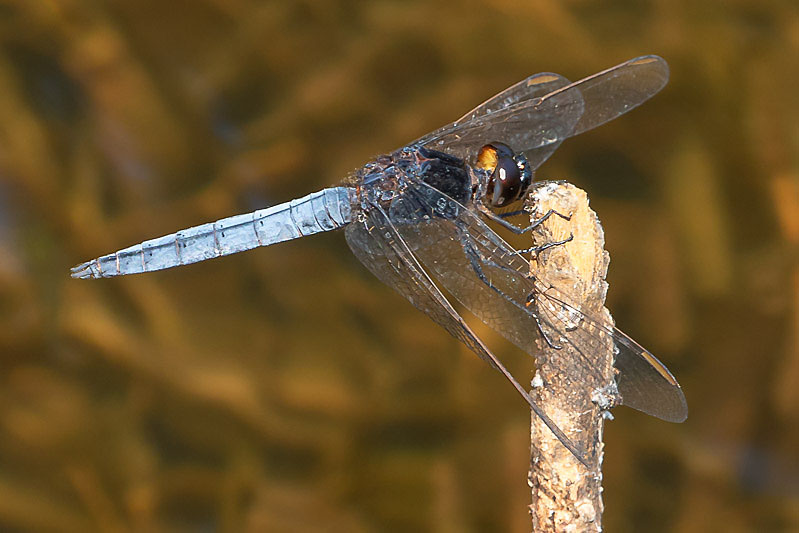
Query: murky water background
point(285, 389)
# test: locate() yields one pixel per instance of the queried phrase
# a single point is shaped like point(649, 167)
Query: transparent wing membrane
point(490, 278)
point(529, 119)
point(396, 266)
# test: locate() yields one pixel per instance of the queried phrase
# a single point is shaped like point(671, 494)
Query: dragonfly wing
point(528, 89)
point(535, 126)
point(539, 124)
point(474, 264)
point(531, 88)
point(490, 279)
point(645, 383)
point(439, 242)
point(376, 242)
point(617, 90)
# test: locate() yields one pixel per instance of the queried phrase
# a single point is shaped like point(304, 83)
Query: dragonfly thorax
point(386, 179)
point(445, 173)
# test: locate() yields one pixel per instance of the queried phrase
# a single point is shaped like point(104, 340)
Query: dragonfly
point(418, 219)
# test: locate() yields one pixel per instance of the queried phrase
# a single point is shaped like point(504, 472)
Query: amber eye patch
point(491, 153)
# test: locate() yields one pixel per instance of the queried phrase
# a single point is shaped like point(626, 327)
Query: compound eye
point(505, 183)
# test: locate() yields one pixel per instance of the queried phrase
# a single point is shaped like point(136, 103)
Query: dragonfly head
point(509, 174)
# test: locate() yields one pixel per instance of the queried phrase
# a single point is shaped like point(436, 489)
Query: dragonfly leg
point(538, 249)
point(500, 219)
point(511, 213)
point(477, 260)
point(531, 298)
point(544, 334)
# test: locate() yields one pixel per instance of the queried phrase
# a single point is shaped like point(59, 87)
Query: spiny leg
point(511, 213)
point(500, 219)
point(477, 260)
point(538, 249)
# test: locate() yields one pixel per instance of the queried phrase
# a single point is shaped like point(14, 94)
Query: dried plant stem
point(566, 496)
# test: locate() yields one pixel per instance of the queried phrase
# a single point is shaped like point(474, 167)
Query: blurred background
point(285, 389)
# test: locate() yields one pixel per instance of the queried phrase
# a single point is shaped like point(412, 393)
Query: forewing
point(474, 264)
point(617, 90)
point(459, 248)
point(535, 124)
point(376, 242)
point(538, 125)
point(531, 88)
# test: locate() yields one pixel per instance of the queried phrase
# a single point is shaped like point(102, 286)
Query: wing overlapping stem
point(492, 280)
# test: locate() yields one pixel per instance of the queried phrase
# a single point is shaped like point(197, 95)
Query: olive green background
point(285, 389)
